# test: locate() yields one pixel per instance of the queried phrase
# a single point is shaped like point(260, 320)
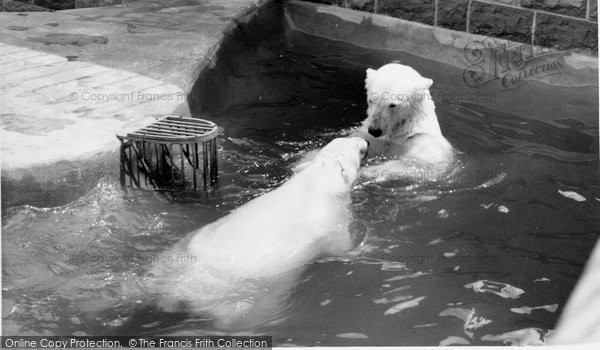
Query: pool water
point(449, 248)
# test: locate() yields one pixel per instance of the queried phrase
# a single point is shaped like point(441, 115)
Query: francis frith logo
point(509, 64)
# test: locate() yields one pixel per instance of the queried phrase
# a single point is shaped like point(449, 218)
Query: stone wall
point(558, 24)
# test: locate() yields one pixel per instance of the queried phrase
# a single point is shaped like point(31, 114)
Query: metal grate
point(156, 155)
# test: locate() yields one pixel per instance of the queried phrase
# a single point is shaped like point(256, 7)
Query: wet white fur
point(401, 105)
point(305, 218)
point(281, 230)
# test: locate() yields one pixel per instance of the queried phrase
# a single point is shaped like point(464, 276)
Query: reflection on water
point(476, 256)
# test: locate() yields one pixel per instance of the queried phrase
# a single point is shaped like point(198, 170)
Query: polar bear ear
point(370, 77)
point(426, 83)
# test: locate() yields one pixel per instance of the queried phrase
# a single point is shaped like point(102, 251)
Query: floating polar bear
point(401, 119)
point(307, 217)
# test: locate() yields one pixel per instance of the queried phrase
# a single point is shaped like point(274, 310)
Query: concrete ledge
point(71, 80)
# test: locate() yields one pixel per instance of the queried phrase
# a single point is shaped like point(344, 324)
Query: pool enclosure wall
point(492, 62)
point(558, 24)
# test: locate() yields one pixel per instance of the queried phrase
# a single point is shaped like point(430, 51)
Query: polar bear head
point(399, 103)
point(340, 156)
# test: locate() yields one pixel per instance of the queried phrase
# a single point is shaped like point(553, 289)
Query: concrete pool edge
point(51, 140)
point(477, 53)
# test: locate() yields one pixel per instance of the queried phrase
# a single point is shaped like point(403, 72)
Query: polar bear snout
point(365, 153)
point(345, 154)
point(376, 124)
point(356, 149)
point(363, 147)
point(385, 117)
point(375, 132)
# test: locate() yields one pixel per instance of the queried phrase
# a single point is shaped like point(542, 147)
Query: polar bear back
point(280, 238)
point(304, 218)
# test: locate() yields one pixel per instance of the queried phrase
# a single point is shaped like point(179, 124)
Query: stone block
point(499, 21)
point(329, 2)
point(412, 10)
point(575, 8)
point(507, 2)
point(562, 32)
point(56, 4)
point(361, 5)
point(452, 14)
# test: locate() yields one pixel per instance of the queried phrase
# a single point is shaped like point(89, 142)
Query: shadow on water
point(278, 93)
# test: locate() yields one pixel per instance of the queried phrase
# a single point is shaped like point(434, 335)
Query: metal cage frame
point(151, 152)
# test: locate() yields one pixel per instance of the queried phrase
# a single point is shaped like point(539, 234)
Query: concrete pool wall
point(482, 57)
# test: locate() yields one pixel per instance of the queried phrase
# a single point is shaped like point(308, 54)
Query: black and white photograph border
point(299, 173)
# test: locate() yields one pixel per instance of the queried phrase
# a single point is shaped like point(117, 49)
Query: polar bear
point(401, 120)
point(301, 220)
point(267, 238)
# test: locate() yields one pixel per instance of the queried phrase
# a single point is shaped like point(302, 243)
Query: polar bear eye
point(392, 105)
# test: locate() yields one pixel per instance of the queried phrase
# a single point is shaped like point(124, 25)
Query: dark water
point(278, 93)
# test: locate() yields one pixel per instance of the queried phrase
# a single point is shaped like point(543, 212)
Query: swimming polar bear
point(401, 122)
point(402, 127)
point(265, 239)
point(286, 227)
